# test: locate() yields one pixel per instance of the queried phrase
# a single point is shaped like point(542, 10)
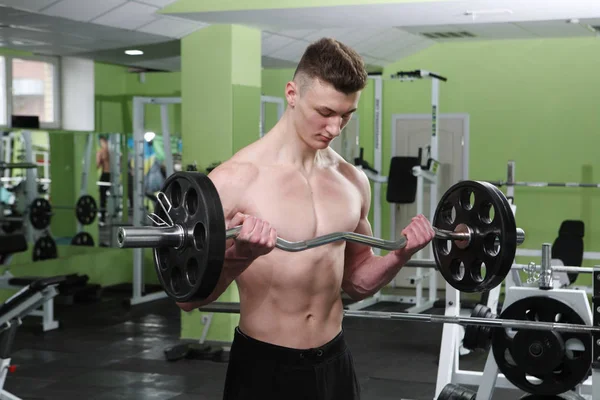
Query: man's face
point(320, 111)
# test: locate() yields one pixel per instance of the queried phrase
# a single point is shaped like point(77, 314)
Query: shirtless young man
point(289, 343)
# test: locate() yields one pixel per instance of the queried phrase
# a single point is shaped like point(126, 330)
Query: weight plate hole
point(510, 333)
point(448, 213)
point(176, 280)
point(457, 268)
point(467, 199)
point(163, 256)
point(533, 380)
point(199, 235)
point(444, 245)
point(487, 213)
point(574, 348)
point(191, 201)
point(478, 271)
point(558, 317)
point(175, 194)
point(491, 244)
point(191, 271)
point(509, 358)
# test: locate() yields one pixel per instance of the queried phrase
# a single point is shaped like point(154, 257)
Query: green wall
point(115, 88)
point(531, 101)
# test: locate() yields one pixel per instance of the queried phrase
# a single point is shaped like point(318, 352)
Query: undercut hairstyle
point(331, 61)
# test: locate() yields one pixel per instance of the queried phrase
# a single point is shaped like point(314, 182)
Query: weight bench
point(18, 306)
point(73, 287)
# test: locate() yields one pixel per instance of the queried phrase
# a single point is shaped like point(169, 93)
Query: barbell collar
point(151, 237)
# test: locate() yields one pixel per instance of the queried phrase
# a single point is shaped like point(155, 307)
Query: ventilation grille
point(448, 35)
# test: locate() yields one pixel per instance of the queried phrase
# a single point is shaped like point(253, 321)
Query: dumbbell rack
point(487, 381)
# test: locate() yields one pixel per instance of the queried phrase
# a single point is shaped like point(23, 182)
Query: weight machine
point(139, 215)
point(425, 176)
point(449, 370)
point(510, 183)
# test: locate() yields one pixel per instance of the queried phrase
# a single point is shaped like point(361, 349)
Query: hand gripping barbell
point(475, 229)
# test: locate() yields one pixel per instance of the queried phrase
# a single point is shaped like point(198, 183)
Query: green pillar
point(221, 86)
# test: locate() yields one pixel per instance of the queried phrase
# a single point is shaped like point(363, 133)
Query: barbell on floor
point(234, 308)
point(474, 223)
point(558, 354)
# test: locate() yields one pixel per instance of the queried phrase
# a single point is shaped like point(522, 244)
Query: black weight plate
point(86, 209)
point(40, 213)
point(44, 249)
point(463, 268)
point(192, 272)
point(82, 239)
point(508, 347)
point(478, 337)
point(448, 392)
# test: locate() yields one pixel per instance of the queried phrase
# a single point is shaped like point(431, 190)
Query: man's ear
point(292, 93)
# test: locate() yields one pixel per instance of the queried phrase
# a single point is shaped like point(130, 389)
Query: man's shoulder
point(235, 171)
point(355, 175)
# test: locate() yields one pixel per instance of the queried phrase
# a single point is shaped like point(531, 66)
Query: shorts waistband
point(246, 344)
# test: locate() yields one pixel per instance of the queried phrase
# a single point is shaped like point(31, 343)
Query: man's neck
point(289, 146)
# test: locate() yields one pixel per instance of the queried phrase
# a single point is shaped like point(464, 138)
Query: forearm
point(372, 274)
point(232, 268)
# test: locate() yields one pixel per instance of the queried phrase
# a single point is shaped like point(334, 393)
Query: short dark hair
point(333, 62)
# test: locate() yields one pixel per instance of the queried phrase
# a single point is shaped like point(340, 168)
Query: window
point(29, 85)
point(34, 90)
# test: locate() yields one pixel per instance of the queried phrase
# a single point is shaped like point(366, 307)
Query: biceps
point(356, 253)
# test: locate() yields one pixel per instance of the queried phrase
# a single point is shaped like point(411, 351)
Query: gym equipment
point(463, 269)
point(40, 213)
point(456, 392)
point(140, 295)
point(561, 360)
point(189, 249)
point(11, 313)
point(86, 209)
point(82, 239)
point(568, 246)
point(233, 308)
point(478, 337)
point(44, 248)
point(23, 303)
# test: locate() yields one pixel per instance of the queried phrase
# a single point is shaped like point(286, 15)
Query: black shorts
point(259, 371)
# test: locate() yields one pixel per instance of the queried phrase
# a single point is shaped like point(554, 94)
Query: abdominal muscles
point(293, 299)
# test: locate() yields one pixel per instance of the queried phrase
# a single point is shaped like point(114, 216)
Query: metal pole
point(31, 180)
point(377, 154)
point(166, 134)
point(233, 308)
point(138, 192)
point(85, 168)
point(545, 282)
point(149, 236)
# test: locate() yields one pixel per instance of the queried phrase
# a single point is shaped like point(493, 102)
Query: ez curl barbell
point(475, 231)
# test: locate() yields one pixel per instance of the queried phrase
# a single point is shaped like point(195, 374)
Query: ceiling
point(381, 33)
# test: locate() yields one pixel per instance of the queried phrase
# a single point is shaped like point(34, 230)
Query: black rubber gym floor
point(106, 351)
